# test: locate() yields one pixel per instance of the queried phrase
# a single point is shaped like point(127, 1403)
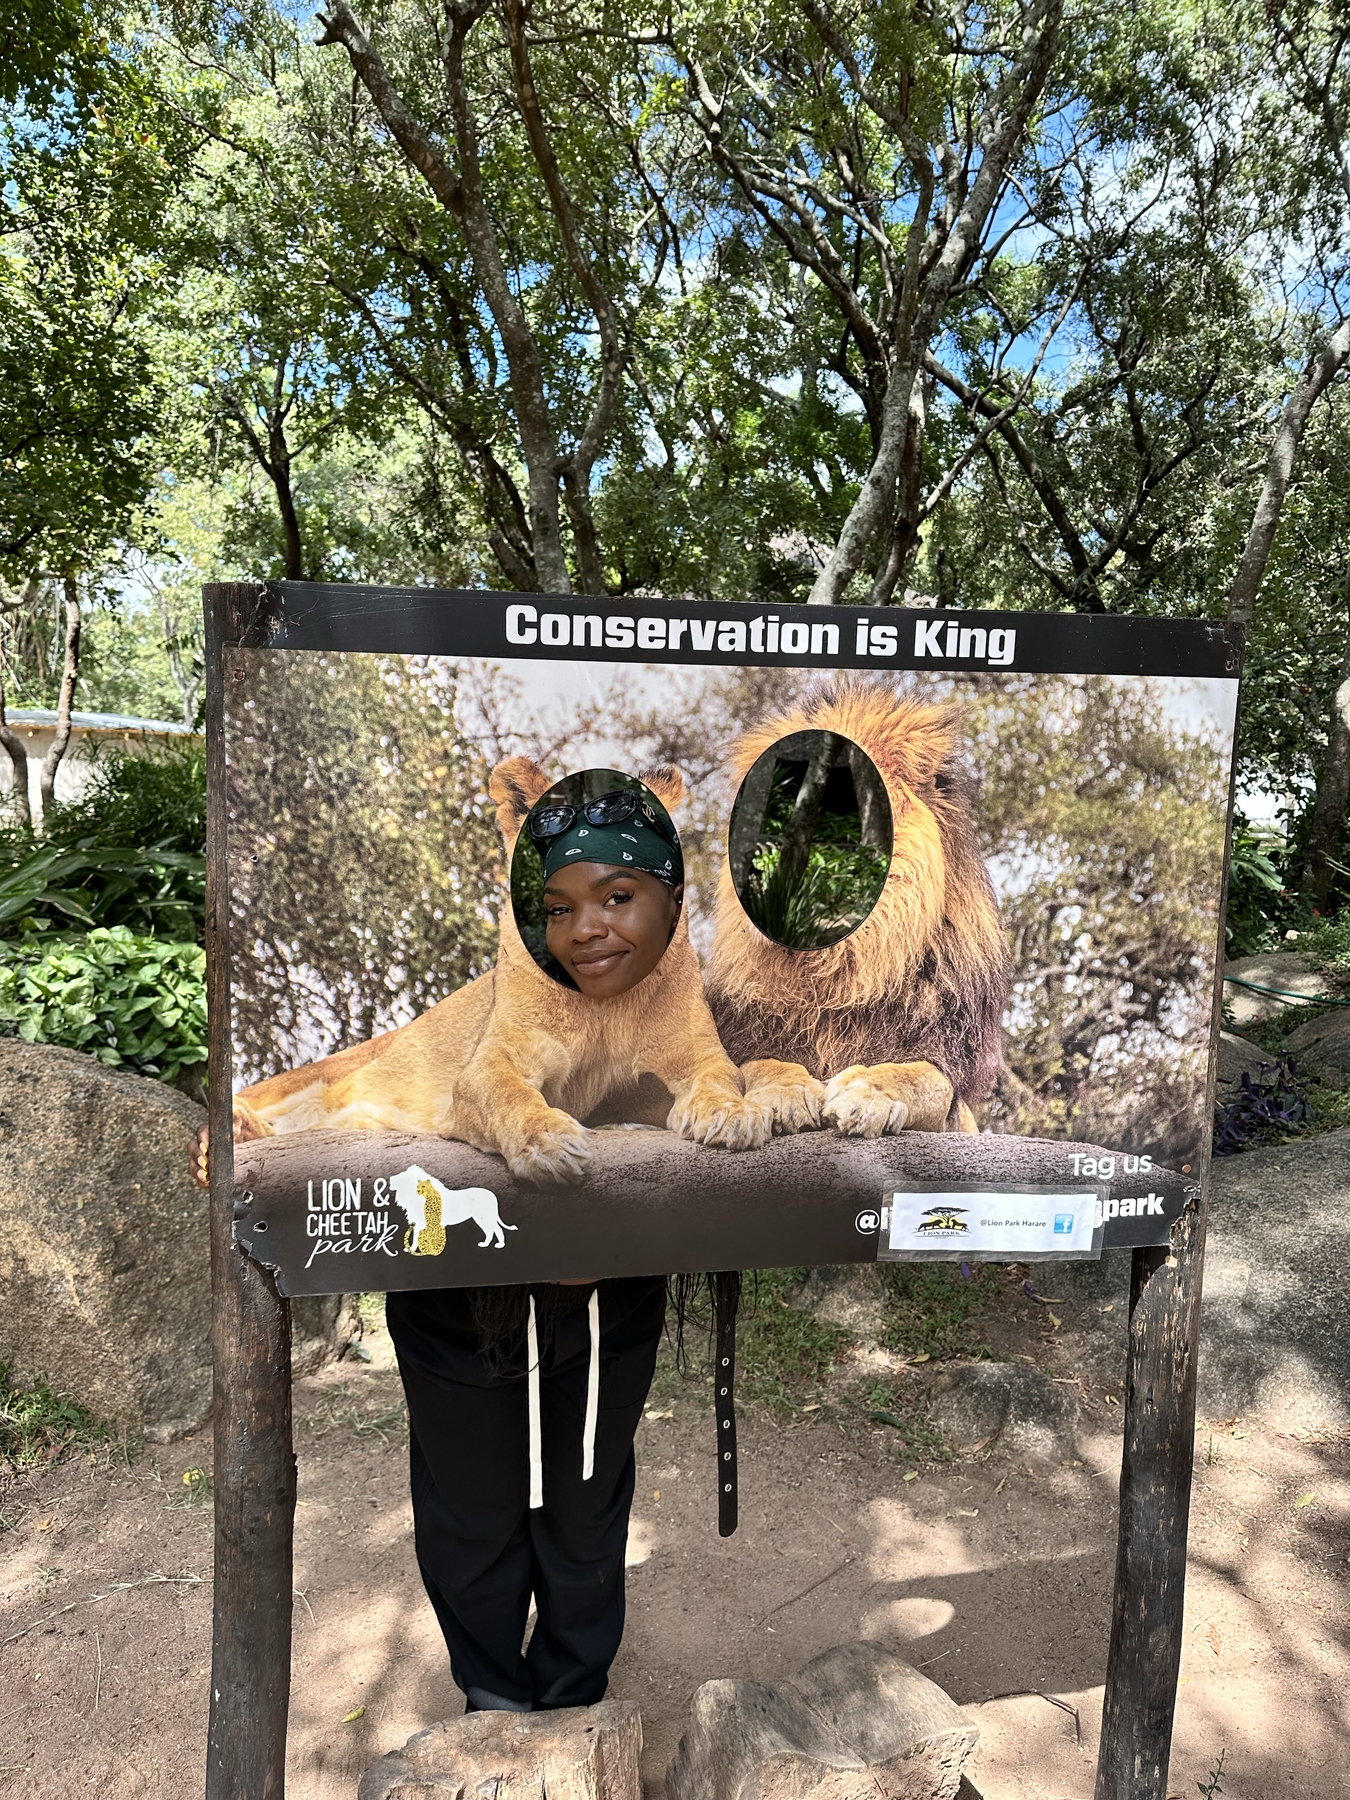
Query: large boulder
point(572, 1753)
point(104, 1255)
point(1238, 1057)
point(1260, 987)
point(851, 1295)
point(855, 1721)
point(1009, 1407)
point(1324, 1041)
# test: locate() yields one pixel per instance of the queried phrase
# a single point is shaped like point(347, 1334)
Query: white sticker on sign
point(1018, 1223)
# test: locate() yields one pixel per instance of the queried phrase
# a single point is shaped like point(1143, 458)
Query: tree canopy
point(1028, 307)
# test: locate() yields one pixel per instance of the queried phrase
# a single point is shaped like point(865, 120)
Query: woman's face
point(608, 926)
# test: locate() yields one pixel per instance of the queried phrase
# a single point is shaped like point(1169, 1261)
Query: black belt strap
point(726, 1298)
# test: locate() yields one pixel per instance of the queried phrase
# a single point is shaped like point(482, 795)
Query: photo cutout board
point(572, 938)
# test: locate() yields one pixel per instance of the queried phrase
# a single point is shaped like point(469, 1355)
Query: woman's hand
point(201, 1158)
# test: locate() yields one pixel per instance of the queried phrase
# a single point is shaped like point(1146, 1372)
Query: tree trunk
point(904, 533)
point(188, 685)
point(747, 820)
point(70, 675)
point(801, 829)
point(292, 550)
point(873, 806)
point(18, 756)
point(949, 240)
point(1322, 368)
point(876, 496)
point(1333, 788)
point(464, 199)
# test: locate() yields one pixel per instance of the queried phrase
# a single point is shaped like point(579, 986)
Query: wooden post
point(1155, 1495)
point(251, 1346)
point(1143, 1661)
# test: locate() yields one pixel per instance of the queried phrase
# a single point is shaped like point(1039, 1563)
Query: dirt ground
point(992, 1576)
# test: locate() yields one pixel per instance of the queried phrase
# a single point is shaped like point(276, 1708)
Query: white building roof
point(87, 721)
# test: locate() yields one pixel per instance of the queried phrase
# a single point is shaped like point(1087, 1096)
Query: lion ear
point(666, 783)
point(515, 785)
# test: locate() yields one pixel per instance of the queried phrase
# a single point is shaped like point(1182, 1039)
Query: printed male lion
point(511, 1062)
point(902, 1021)
point(429, 1206)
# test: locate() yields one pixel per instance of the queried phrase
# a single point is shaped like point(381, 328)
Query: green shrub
point(134, 1002)
point(1326, 944)
point(37, 1424)
point(129, 851)
point(1255, 896)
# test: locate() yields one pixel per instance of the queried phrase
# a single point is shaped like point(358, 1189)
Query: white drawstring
point(592, 1402)
point(592, 1392)
point(536, 1435)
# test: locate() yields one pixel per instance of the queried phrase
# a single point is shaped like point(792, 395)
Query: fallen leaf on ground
point(965, 1512)
point(914, 1476)
point(1054, 1318)
point(357, 1712)
point(1303, 1500)
point(660, 1415)
point(1214, 1638)
point(926, 1357)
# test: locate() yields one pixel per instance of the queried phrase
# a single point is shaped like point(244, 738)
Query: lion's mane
point(926, 976)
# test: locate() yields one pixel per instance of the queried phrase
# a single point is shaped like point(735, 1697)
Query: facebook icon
point(1063, 1224)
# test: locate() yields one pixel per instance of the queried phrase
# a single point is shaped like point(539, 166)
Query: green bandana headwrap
point(634, 843)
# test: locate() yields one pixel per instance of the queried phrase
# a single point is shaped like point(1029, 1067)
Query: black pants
point(481, 1549)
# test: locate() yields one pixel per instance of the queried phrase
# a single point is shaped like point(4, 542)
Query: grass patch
point(932, 1310)
point(782, 1354)
point(1331, 1108)
point(346, 1409)
point(37, 1424)
point(1269, 1034)
point(905, 1415)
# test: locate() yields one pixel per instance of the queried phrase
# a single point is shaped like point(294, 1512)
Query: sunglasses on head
point(607, 809)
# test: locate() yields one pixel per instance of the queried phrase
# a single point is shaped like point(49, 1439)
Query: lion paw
point(724, 1121)
point(558, 1154)
point(793, 1097)
point(912, 1096)
point(248, 1125)
point(795, 1105)
point(861, 1107)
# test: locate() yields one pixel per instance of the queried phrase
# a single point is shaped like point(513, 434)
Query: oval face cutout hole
point(810, 840)
point(597, 882)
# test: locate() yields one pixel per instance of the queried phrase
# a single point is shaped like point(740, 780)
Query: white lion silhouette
point(429, 1207)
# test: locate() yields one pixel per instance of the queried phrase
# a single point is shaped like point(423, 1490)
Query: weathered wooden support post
point(1155, 1496)
point(1143, 1662)
point(251, 1346)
